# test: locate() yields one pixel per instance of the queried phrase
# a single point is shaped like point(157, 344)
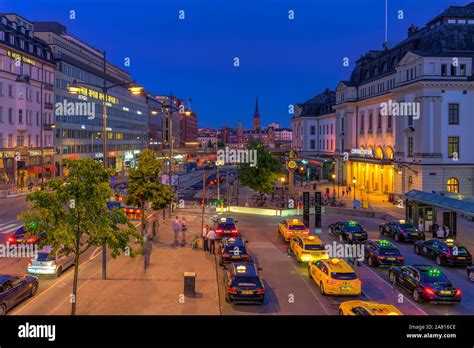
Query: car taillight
point(333, 282)
point(30, 240)
point(219, 230)
point(305, 253)
point(225, 255)
point(429, 291)
point(357, 282)
point(458, 292)
point(260, 291)
point(289, 231)
point(231, 290)
point(11, 239)
point(30, 263)
point(380, 257)
point(246, 256)
point(234, 230)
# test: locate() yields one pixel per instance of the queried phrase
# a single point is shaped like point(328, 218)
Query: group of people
point(209, 238)
point(179, 226)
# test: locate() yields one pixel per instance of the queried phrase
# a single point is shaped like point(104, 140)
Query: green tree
point(144, 185)
point(262, 176)
point(209, 144)
point(72, 213)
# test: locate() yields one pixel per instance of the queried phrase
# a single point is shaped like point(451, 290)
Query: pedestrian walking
point(435, 228)
point(147, 249)
point(184, 228)
point(211, 237)
point(343, 193)
point(176, 229)
point(205, 230)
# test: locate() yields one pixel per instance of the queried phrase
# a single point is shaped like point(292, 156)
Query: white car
point(46, 263)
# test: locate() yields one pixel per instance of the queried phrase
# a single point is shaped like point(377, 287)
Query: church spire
point(256, 116)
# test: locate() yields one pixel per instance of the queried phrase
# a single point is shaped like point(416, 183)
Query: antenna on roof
point(385, 44)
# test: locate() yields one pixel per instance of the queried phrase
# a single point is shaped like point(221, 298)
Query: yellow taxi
point(367, 308)
point(307, 249)
point(292, 227)
point(334, 277)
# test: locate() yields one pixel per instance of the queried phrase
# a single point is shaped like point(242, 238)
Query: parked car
point(48, 263)
point(14, 289)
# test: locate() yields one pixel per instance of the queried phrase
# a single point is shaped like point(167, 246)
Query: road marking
point(54, 285)
point(93, 253)
point(404, 297)
point(9, 228)
point(310, 288)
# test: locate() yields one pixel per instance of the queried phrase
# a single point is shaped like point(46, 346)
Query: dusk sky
point(282, 61)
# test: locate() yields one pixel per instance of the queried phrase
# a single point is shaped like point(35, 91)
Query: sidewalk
point(130, 290)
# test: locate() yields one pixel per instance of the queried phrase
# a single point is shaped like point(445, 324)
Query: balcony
point(48, 106)
point(48, 87)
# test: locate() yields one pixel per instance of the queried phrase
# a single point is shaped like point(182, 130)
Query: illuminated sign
point(7, 154)
point(19, 57)
point(361, 152)
point(96, 95)
point(292, 164)
point(33, 153)
point(128, 156)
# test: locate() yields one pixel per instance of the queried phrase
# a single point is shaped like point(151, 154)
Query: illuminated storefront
point(373, 169)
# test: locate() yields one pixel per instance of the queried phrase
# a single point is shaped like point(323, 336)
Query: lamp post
point(282, 180)
point(333, 176)
point(134, 89)
point(354, 181)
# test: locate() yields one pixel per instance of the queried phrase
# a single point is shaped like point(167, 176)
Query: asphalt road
point(290, 290)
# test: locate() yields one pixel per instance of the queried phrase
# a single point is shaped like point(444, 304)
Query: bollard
point(189, 284)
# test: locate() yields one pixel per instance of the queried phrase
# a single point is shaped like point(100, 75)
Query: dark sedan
point(380, 252)
point(425, 283)
point(20, 236)
point(401, 231)
point(227, 227)
point(444, 252)
point(233, 250)
point(243, 284)
point(14, 289)
point(348, 231)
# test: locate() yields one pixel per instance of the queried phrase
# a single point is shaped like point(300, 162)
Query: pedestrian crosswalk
point(9, 227)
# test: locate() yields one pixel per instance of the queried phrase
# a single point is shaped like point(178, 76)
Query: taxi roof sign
point(335, 261)
point(401, 221)
point(352, 223)
point(241, 269)
point(433, 272)
point(450, 241)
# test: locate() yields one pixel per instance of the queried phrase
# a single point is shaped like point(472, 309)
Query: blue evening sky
point(282, 61)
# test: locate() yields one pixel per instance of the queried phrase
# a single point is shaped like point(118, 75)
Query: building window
point(444, 69)
point(453, 185)
point(10, 115)
point(312, 130)
point(10, 140)
point(453, 147)
point(20, 116)
point(462, 70)
point(10, 91)
point(362, 121)
point(453, 113)
point(453, 70)
point(410, 147)
point(332, 129)
point(389, 122)
point(342, 124)
point(1, 114)
point(410, 120)
point(379, 121)
point(370, 121)
point(312, 144)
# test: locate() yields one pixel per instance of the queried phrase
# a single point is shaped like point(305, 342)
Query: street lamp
point(333, 176)
point(134, 89)
point(282, 180)
point(354, 181)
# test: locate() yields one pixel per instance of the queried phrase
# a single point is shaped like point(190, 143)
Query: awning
point(442, 202)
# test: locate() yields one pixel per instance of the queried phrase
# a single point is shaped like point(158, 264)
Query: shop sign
point(99, 155)
point(128, 156)
point(7, 154)
point(361, 152)
point(33, 153)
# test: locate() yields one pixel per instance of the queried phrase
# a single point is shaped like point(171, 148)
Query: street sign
point(216, 202)
point(292, 164)
point(306, 208)
point(317, 212)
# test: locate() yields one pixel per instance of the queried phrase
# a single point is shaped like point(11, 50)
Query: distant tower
point(240, 132)
point(256, 117)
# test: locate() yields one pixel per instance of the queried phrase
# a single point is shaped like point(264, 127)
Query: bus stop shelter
point(425, 207)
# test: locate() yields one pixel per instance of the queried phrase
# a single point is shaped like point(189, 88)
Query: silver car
point(47, 263)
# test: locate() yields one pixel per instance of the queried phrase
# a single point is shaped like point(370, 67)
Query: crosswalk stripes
point(9, 227)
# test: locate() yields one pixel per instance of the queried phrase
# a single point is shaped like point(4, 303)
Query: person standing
point(147, 249)
point(440, 233)
point(446, 231)
point(211, 237)
point(176, 229)
point(184, 228)
point(420, 226)
point(205, 230)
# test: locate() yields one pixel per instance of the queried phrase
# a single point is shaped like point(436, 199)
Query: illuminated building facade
point(26, 102)
point(79, 134)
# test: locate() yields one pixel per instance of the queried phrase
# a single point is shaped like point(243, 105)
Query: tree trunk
point(76, 276)
point(143, 219)
point(164, 212)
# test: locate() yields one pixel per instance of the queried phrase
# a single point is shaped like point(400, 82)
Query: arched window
point(410, 183)
point(389, 153)
point(378, 152)
point(453, 185)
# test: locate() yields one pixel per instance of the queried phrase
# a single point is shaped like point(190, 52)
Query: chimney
point(412, 30)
